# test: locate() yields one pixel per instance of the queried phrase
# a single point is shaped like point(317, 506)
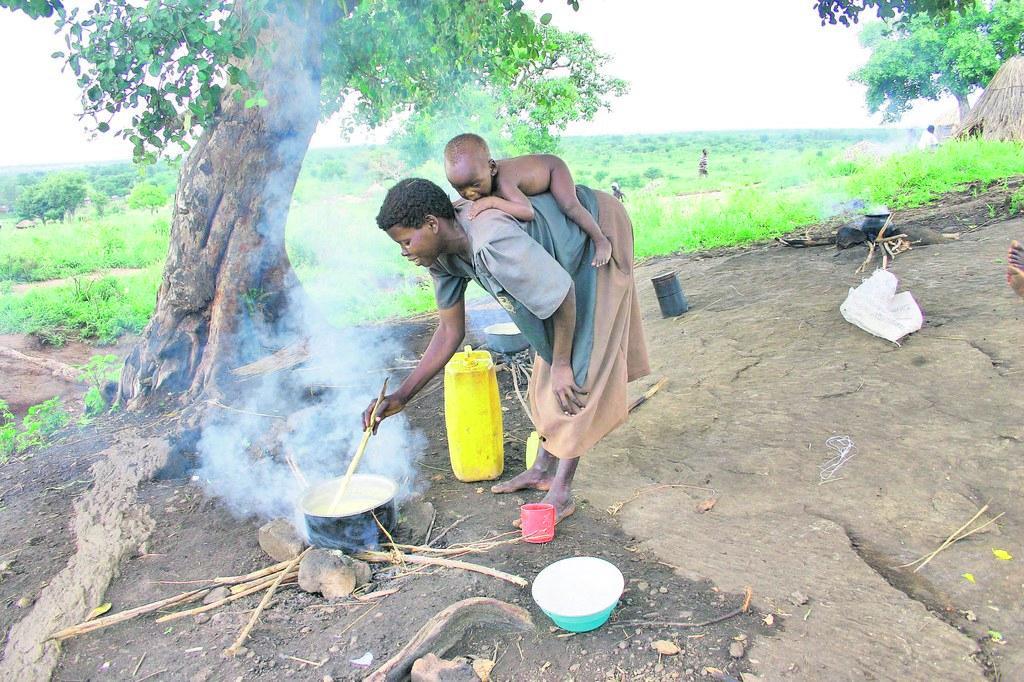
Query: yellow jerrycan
point(472, 416)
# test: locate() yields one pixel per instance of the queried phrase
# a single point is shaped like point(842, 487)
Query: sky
point(691, 66)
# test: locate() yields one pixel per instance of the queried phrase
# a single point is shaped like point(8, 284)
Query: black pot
point(359, 528)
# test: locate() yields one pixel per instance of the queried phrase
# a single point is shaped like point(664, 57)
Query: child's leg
point(563, 188)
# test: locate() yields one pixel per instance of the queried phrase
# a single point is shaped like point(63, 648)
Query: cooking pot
point(505, 338)
point(352, 525)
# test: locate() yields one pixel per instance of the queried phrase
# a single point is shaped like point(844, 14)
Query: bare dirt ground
point(761, 371)
point(23, 384)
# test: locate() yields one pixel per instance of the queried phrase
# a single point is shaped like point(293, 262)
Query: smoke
point(309, 412)
point(242, 449)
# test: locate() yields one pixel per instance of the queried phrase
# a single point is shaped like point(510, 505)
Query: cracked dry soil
point(762, 370)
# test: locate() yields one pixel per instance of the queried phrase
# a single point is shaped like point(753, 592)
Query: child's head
point(469, 166)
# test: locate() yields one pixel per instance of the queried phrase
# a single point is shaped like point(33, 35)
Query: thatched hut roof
point(999, 114)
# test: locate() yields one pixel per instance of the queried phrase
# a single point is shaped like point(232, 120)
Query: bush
point(41, 421)
point(100, 370)
point(1017, 201)
point(8, 433)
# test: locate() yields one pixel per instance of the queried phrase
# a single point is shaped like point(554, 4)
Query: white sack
point(876, 308)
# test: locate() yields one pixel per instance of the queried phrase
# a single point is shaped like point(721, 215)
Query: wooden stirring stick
point(340, 495)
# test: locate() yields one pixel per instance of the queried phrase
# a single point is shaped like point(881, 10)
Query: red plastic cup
point(538, 522)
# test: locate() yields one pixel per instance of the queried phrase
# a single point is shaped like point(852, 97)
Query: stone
point(643, 586)
point(574, 667)
point(413, 521)
point(216, 594)
point(483, 667)
point(328, 572)
point(663, 590)
point(666, 648)
point(736, 650)
point(430, 668)
point(280, 540)
point(623, 645)
point(201, 618)
point(364, 574)
point(798, 598)
point(24, 602)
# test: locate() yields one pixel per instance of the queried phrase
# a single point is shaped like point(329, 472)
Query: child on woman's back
point(505, 185)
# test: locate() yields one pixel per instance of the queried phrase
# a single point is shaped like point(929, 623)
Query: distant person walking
point(617, 192)
point(928, 139)
point(702, 167)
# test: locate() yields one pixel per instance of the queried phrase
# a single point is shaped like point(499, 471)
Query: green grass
point(666, 224)
point(762, 184)
point(918, 177)
point(98, 310)
point(132, 239)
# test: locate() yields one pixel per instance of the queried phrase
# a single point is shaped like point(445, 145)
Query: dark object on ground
point(849, 236)
point(447, 628)
point(671, 298)
point(875, 222)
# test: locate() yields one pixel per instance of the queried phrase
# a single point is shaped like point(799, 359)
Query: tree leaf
point(1002, 554)
point(995, 635)
point(98, 611)
point(545, 18)
point(969, 577)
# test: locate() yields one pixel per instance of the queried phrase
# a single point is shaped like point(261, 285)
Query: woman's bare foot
point(1015, 270)
point(531, 479)
point(564, 506)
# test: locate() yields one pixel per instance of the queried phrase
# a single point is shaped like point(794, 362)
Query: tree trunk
point(965, 106)
point(228, 287)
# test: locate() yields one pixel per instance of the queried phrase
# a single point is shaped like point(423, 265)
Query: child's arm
point(514, 202)
point(563, 188)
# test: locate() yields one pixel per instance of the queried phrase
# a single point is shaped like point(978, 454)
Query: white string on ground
point(843, 449)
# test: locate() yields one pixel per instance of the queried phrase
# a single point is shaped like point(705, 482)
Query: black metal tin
point(671, 298)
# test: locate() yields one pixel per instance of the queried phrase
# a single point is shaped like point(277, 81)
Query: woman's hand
point(390, 405)
point(570, 397)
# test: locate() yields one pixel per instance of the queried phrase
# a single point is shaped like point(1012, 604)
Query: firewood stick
point(106, 621)
point(244, 634)
point(648, 394)
point(264, 581)
point(343, 488)
point(385, 557)
point(293, 465)
point(226, 600)
point(248, 577)
point(748, 593)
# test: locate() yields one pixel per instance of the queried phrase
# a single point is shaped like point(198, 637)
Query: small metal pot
point(357, 529)
point(505, 338)
point(671, 298)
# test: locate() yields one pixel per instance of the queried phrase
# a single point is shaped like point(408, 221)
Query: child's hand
point(602, 252)
point(479, 206)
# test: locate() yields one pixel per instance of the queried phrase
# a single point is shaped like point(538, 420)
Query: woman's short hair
point(410, 201)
